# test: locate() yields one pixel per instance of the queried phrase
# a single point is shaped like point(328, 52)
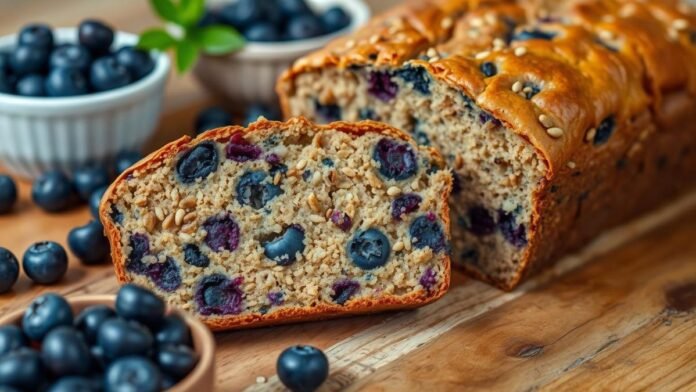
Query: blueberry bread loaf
point(559, 119)
point(284, 221)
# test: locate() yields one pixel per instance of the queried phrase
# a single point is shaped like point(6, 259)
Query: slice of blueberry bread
point(283, 222)
point(559, 119)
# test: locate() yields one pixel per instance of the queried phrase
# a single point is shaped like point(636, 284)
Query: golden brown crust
point(283, 315)
point(624, 59)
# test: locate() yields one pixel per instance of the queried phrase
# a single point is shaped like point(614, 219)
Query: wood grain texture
point(620, 319)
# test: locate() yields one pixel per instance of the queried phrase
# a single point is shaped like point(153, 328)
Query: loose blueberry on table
point(9, 271)
point(95, 201)
point(53, 192)
point(45, 262)
point(302, 368)
point(126, 159)
point(89, 244)
point(8, 194)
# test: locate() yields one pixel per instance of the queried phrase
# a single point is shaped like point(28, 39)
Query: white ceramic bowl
point(38, 134)
point(249, 76)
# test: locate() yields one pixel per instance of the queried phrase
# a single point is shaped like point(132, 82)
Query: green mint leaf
point(186, 55)
point(218, 39)
point(155, 39)
point(191, 11)
point(166, 10)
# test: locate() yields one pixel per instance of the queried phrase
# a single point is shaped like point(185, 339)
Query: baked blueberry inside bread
point(559, 119)
point(284, 221)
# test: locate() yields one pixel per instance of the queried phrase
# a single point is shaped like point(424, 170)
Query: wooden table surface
point(620, 315)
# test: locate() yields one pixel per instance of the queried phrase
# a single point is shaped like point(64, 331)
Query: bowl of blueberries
point(277, 33)
point(132, 342)
point(73, 96)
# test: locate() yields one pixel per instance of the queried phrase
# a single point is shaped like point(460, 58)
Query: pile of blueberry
point(278, 20)
point(134, 347)
point(215, 117)
point(40, 67)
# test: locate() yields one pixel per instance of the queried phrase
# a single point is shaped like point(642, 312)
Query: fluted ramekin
point(249, 76)
point(38, 134)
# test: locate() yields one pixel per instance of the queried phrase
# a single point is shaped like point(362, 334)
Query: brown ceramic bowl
point(202, 377)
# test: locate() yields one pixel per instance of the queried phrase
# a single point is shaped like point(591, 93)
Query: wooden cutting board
point(620, 315)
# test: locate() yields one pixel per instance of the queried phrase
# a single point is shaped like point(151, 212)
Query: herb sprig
point(188, 39)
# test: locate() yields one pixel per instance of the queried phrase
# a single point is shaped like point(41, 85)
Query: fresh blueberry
point(369, 249)
point(327, 113)
point(222, 233)
point(218, 295)
point(66, 82)
point(405, 204)
point(426, 231)
point(88, 179)
point(211, 118)
point(335, 19)
point(132, 374)
point(45, 313)
point(253, 112)
point(71, 56)
point(99, 360)
point(198, 162)
point(37, 35)
point(9, 270)
point(90, 319)
point(7, 83)
point(8, 194)
point(194, 256)
point(302, 368)
point(417, 77)
point(480, 221)
point(429, 279)
point(293, 7)
point(95, 36)
point(119, 338)
point(165, 275)
point(74, 384)
point(53, 192)
point(255, 189)
point(89, 244)
point(173, 330)
point(31, 85)
point(284, 248)
point(126, 159)
point(381, 86)
point(243, 13)
point(176, 360)
point(138, 62)
point(45, 262)
point(525, 35)
point(604, 131)
point(303, 27)
point(341, 220)
point(106, 73)
point(27, 60)
point(343, 290)
point(139, 304)
point(397, 161)
point(65, 352)
point(240, 150)
point(512, 232)
point(262, 32)
point(140, 247)
point(22, 369)
point(11, 339)
point(95, 200)
point(488, 69)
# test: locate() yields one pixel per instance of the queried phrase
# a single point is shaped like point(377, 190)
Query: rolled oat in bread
point(560, 119)
point(284, 222)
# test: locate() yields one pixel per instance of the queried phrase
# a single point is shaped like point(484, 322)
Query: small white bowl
point(39, 134)
point(249, 76)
